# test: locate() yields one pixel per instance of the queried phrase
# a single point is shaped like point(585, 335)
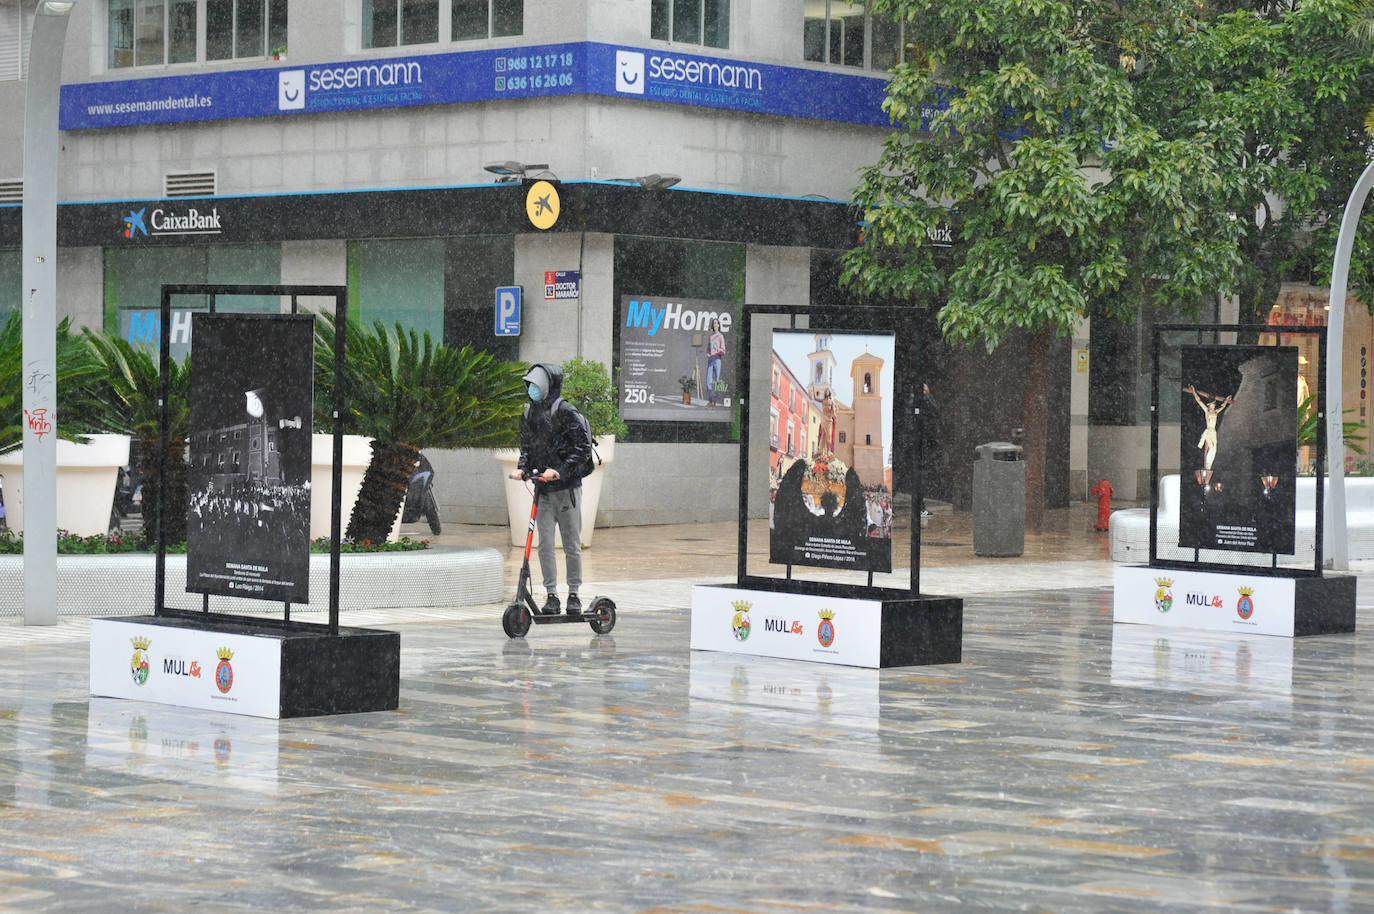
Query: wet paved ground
point(1066, 765)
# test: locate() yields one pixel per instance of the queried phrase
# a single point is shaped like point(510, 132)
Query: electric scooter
point(599, 614)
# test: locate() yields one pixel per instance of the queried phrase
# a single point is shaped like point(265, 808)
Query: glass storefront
point(440, 286)
point(134, 278)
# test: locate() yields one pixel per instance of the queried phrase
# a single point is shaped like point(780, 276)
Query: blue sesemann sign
point(578, 68)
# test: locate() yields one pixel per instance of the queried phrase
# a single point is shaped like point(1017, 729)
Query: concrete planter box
point(518, 494)
point(86, 479)
point(438, 577)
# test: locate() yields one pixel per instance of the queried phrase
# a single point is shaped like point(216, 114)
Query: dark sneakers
point(574, 605)
point(551, 606)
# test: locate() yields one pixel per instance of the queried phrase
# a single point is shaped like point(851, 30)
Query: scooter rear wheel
point(515, 620)
point(601, 615)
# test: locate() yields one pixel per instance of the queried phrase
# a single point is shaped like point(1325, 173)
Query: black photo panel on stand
point(248, 520)
point(1238, 448)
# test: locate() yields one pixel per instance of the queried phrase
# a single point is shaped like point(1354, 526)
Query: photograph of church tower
point(830, 455)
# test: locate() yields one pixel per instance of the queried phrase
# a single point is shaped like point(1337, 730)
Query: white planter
point(519, 494)
point(86, 479)
point(357, 454)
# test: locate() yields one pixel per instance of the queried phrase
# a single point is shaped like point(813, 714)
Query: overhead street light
point(511, 172)
point(652, 182)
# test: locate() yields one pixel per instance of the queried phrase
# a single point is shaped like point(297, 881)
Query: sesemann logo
point(629, 72)
point(291, 90)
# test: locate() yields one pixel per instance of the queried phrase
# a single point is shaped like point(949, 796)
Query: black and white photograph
point(248, 511)
point(830, 450)
point(1238, 448)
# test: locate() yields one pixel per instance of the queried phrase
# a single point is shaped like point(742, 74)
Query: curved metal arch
point(1335, 533)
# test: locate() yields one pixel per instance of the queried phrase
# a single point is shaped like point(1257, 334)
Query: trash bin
point(999, 499)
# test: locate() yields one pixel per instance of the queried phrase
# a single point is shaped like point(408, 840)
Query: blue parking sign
point(507, 310)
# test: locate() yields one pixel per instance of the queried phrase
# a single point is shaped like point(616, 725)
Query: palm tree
point(408, 393)
point(127, 395)
point(76, 371)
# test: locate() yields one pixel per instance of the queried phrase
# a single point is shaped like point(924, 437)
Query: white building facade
point(349, 143)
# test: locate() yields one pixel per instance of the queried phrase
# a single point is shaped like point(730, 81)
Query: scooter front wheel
point(515, 620)
point(601, 615)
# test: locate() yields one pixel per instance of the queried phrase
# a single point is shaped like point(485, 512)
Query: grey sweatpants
point(559, 508)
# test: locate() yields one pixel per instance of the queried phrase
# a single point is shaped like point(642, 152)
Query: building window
point(244, 28)
point(487, 19)
point(392, 23)
point(151, 32)
point(705, 22)
point(16, 27)
point(841, 437)
point(846, 33)
point(141, 33)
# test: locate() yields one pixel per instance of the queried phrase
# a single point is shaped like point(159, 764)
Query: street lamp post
point(39, 304)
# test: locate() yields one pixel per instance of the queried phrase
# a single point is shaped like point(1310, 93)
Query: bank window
point(134, 277)
point(844, 32)
point(704, 22)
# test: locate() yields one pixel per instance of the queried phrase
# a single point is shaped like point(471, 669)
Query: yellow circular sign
point(542, 204)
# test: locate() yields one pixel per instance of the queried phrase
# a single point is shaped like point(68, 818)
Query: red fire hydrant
point(1103, 493)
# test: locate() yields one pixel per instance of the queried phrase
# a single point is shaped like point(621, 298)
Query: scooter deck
point(551, 618)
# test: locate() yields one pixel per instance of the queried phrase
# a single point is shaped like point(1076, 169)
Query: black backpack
point(594, 458)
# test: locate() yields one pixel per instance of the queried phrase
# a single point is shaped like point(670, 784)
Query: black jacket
point(553, 441)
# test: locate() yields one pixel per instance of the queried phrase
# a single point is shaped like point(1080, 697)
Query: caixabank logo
point(134, 223)
point(189, 221)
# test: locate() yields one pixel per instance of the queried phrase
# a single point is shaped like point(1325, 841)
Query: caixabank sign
point(580, 68)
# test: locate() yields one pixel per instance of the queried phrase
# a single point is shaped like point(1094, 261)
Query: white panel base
point(787, 625)
point(184, 667)
point(1208, 600)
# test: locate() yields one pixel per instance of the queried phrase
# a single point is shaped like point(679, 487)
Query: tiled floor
point(1065, 765)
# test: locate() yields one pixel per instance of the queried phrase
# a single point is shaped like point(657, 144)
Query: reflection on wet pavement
point(1067, 765)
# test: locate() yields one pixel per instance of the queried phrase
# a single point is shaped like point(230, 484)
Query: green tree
point(408, 393)
point(127, 394)
point(1284, 76)
point(1068, 192)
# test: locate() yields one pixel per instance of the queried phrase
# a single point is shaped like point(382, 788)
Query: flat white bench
point(1130, 527)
